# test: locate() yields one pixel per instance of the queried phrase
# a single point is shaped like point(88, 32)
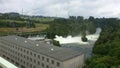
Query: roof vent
point(52, 49)
point(37, 44)
point(25, 41)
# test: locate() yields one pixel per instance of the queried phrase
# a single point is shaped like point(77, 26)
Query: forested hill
point(106, 51)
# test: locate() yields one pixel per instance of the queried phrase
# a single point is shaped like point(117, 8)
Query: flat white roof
point(6, 63)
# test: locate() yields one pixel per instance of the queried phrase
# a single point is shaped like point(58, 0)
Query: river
point(76, 43)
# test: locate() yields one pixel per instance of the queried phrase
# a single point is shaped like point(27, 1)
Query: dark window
point(18, 48)
point(24, 56)
point(34, 67)
point(21, 55)
point(58, 64)
point(52, 61)
point(34, 61)
point(22, 66)
point(30, 59)
point(24, 51)
point(27, 63)
point(30, 65)
point(31, 53)
point(24, 62)
point(39, 56)
point(43, 58)
point(42, 64)
point(18, 54)
point(27, 52)
point(21, 60)
point(38, 62)
point(47, 59)
point(27, 58)
point(34, 55)
point(17, 63)
point(15, 52)
point(47, 66)
point(21, 49)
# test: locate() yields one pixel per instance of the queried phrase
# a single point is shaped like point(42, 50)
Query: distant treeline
point(71, 26)
point(14, 20)
point(58, 26)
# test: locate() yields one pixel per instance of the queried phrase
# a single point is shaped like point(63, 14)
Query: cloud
point(63, 8)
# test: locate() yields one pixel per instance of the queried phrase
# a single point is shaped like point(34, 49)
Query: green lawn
point(38, 28)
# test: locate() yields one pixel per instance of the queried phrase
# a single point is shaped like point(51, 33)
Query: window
point(47, 66)
point(30, 65)
point(18, 48)
point(34, 55)
point(24, 62)
point(24, 50)
point(34, 61)
point(21, 55)
point(58, 64)
point(42, 64)
point(38, 62)
point(21, 60)
point(52, 61)
point(18, 54)
point(30, 59)
point(39, 56)
point(18, 59)
point(15, 52)
point(31, 53)
point(27, 52)
point(42, 58)
point(27, 63)
point(34, 67)
point(47, 59)
point(21, 49)
point(27, 58)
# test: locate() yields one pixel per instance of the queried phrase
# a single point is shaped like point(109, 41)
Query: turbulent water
point(76, 43)
point(77, 39)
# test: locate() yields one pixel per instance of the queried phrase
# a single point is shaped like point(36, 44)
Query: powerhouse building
point(26, 53)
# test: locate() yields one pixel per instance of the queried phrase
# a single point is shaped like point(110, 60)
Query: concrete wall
point(76, 62)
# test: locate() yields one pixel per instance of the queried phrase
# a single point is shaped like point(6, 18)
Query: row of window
point(16, 50)
point(27, 63)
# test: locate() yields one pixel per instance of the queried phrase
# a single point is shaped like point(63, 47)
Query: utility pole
point(22, 11)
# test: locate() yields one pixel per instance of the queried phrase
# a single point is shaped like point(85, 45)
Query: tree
point(56, 43)
point(84, 38)
point(100, 65)
point(91, 18)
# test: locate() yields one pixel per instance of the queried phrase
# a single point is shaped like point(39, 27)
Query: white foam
point(77, 39)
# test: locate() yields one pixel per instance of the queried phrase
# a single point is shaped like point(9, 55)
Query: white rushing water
point(77, 39)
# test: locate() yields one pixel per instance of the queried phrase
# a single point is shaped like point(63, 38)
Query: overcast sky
point(63, 8)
